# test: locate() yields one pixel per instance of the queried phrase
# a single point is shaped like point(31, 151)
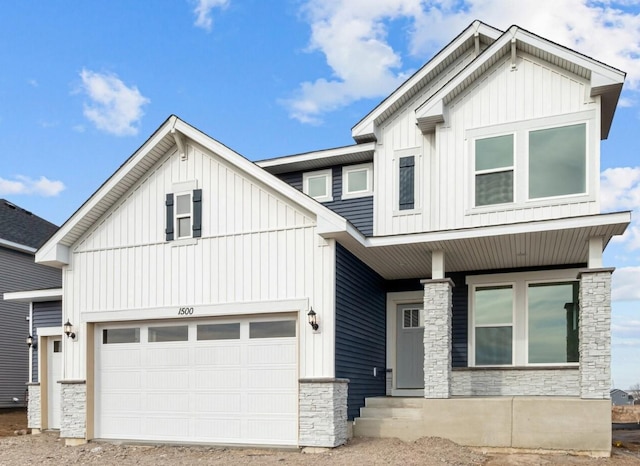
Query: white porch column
point(595, 332)
point(437, 337)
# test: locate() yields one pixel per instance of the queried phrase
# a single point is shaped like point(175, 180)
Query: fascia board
point(16, 246)
point(618, 218)
point(321, 154)
point(50, 294)
point(366, 125)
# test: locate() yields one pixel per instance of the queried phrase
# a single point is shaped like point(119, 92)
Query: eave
point(34, 296)
point(540, 243)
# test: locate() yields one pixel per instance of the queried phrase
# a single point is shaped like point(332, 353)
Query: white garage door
point(198, 381)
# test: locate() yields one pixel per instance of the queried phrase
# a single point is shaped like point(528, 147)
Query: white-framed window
point(357, 180)
point(184, 215)
point(523, 319)
point(531, 161)
point(411, 318)
point(318, 185)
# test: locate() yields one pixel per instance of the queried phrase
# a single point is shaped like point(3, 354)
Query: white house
point(452, 259)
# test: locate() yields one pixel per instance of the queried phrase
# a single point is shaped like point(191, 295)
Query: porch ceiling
point(527, 244)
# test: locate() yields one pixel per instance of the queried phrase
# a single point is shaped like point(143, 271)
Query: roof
point(171, 134)
point(20, 229)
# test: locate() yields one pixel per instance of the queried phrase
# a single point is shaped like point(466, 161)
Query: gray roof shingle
point(21, 226)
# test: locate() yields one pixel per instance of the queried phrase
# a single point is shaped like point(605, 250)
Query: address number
point(185, 311)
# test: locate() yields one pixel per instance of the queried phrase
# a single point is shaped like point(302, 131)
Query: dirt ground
point(48, 449)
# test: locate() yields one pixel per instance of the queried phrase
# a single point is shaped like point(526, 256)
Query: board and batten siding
point(256, 246)
point(45, 314)
point(360, 329)
point(18, 272)
point(444, 169)
point(359, 211)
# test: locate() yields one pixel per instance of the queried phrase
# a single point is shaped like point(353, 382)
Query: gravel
point(47, 449)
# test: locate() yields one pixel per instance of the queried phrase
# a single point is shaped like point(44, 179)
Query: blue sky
point(84, 83)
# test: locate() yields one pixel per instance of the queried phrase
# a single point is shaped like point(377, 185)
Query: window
point(164, 334)
point(557, 161)
point(533, 320)
point(120, 335)
point(530, 160)
point(219, 331)
point(184, 215)
point(273, 329)
point(494, 170)
point(318, 185)
point(411, 318)
point(406, 182)
point(357, 180)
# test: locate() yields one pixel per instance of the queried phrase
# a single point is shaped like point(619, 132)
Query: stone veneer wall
point(513, 382)
point(74, 409)
point(34, 421)
point(323, 412)
point(437, 337)
point(595, 333)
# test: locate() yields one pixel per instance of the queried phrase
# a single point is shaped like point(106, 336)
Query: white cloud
point(203, 12)
point(113, 107)
point(624, 284)
point(25, 185)
point(352, 35)
point(620, 190)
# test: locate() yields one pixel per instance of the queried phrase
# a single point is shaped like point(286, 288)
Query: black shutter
point(197, 213)
point(169, 204)
point(407, 183)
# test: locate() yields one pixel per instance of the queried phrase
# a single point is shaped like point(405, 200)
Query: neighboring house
point(21, 234)
point(620, 397)
point(451, 260)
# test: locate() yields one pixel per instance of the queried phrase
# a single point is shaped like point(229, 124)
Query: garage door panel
point(164, 357)
point(173, 378)
point(218, 355)
point(232, 390)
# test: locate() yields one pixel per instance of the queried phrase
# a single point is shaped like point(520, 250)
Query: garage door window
point(120, 335)
point(219, 331)
point(274, 329)
point(164, 334)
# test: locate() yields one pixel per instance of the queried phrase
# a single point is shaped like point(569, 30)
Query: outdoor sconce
point(68, 330)
point(31, 343)
point(312, 319)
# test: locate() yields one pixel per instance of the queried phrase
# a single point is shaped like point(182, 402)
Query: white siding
point(256, 246)
point(535, 90)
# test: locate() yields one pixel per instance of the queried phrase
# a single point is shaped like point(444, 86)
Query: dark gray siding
point(358, 211)
point(18, 272)
point(45, 314)
point(360, 329)
point(459, 321)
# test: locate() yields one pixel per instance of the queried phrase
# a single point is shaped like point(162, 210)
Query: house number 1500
point(185, 311)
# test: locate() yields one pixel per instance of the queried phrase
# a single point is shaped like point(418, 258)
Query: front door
point(54, 368)
point(410, 347)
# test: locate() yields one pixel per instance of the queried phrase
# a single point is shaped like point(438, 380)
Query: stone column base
point(323, 412)
point(34, 406)
point(74, 411)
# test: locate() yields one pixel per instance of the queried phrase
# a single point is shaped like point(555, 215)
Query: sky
point(83, 83)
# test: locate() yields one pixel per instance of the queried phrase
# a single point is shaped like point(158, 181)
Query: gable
point(233, 202)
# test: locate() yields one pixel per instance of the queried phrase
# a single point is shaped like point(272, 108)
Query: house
point(620, 397)
point(442, 276)
point(21, 234)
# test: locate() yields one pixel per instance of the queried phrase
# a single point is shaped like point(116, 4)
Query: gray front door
point(409, 347)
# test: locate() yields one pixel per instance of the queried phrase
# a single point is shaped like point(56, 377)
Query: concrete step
point(390, 413)
point(394, 402)
point(405, 429)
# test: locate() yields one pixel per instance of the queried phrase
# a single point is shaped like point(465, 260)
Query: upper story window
point(184, 215)
point(529, 320)
point(357, 180)
point(494, 170)
point(406, 182)
point(318, 185)
point(527, 164)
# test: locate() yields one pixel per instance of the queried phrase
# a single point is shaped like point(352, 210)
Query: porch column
point(594, 330)
point(437, 337)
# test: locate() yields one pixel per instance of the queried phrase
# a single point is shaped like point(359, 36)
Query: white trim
point(50, 331)
point(17, 246)
point(520, 282)
point(31, 349)
point(332, 156)
point(205, 310)
point(328, 197)
point(368, 191)
point(50, 294)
